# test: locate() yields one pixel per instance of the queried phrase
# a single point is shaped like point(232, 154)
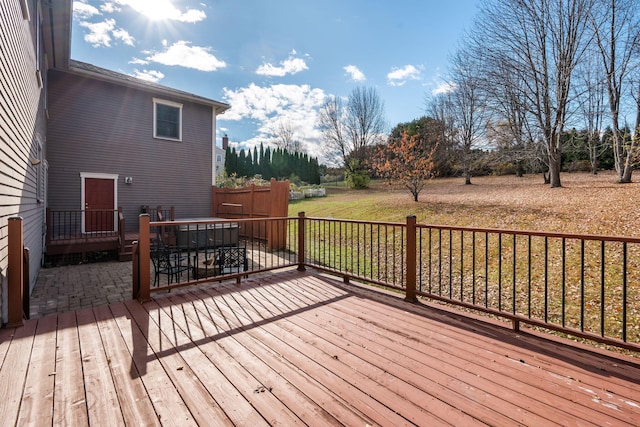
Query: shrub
point(358, 179)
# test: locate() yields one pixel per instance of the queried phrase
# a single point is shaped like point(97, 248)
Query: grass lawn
point(586, 204)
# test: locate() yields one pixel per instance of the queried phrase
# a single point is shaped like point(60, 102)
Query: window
point(167, 120)
point(218, 158)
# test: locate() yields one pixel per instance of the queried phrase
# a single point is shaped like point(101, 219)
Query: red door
point(99, 204)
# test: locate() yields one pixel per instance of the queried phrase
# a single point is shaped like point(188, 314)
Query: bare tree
point(616, 29)
point(510, 128)
point(542, 41)
point(285, 138)
point(591, 99)
point(467, 105)
point(349, 130)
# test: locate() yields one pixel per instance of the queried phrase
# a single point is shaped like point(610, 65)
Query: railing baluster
point(602, 288)
point(564, 280)
point(461, 265)
point(624, 291)
point(582, 266)
point(546, 279)
point(473, 267)
point(513, 290)
point(499, 271)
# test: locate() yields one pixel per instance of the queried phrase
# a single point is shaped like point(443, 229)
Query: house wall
point(22, 129)
point(101, 127)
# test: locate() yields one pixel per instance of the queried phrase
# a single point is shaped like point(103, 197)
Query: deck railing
point(171, 254)
point(81, 224)
point(583, 285)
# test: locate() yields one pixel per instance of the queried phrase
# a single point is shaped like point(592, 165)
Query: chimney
point(225, 142)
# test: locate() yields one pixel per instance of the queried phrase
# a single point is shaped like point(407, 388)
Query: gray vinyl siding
point(22, 123)
point(101, 127)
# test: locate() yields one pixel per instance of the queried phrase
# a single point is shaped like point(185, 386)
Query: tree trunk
point(554, 174)
point(628, 170)
point(467, 179)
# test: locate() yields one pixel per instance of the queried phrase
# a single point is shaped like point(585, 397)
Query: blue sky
point(276, 61)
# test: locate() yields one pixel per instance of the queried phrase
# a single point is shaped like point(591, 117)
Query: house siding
point(100, 127)
point(22, 129)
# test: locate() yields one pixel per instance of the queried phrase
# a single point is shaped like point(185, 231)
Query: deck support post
point(410, 286)
point(15, 272)
point(144, 259)
point(301, 223)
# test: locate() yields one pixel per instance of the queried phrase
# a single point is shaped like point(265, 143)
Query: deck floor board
point(295, 348)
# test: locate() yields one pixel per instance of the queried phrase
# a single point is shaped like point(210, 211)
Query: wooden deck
point(301, 349)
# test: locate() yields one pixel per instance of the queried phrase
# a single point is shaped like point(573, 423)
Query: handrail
point(582, 285)
point(81, 224)
point(586, 286)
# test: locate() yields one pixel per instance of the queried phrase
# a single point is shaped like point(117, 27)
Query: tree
point(408, 161)
point(616, 29)
point(591, 99)
point(285, 138)
point(467, 108)
point(542, 42)
point(349, 130)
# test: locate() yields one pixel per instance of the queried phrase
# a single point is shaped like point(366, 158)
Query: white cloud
point(99, 32)
point(288, 66)
point(399, 76)
point(354, 73)
point(148, 75)
point(138, 61)
point(123, 35)
point(102, 33)
point(163, 9)
point(268, 106)
point(443, 88)
point(181, 53)
point(82, 10)
point(109, 7)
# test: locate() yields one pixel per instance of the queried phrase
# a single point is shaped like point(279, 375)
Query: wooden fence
point(254, 202)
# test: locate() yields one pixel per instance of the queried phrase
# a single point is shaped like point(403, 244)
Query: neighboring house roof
point(92, 71)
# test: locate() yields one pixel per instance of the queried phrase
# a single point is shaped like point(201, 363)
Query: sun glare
point(155, 9)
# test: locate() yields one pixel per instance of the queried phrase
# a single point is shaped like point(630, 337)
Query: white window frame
point(177, 105)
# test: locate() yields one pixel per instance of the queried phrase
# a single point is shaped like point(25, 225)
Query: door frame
point(114, 178)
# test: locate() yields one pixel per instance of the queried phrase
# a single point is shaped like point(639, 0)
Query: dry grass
point(586, 204)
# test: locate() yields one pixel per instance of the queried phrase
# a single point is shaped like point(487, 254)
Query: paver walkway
point(73, 287)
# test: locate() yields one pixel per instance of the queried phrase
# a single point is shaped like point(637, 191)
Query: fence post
point(15, 273)
point(410, 288)
point(144, 260)
point(301, 241)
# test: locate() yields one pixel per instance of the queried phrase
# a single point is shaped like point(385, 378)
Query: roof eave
point(56, 32)
point(219, 107)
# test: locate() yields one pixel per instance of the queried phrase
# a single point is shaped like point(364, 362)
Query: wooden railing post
point(144, 259)
point(26, 284)
point(135, 270)
point(410, 287)
point(15, 273)
point(301, 222)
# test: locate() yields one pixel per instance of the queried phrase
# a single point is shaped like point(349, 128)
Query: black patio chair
point(167, 261)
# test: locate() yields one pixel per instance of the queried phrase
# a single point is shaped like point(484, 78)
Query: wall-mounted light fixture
point(34, 161)
point(128, 180)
